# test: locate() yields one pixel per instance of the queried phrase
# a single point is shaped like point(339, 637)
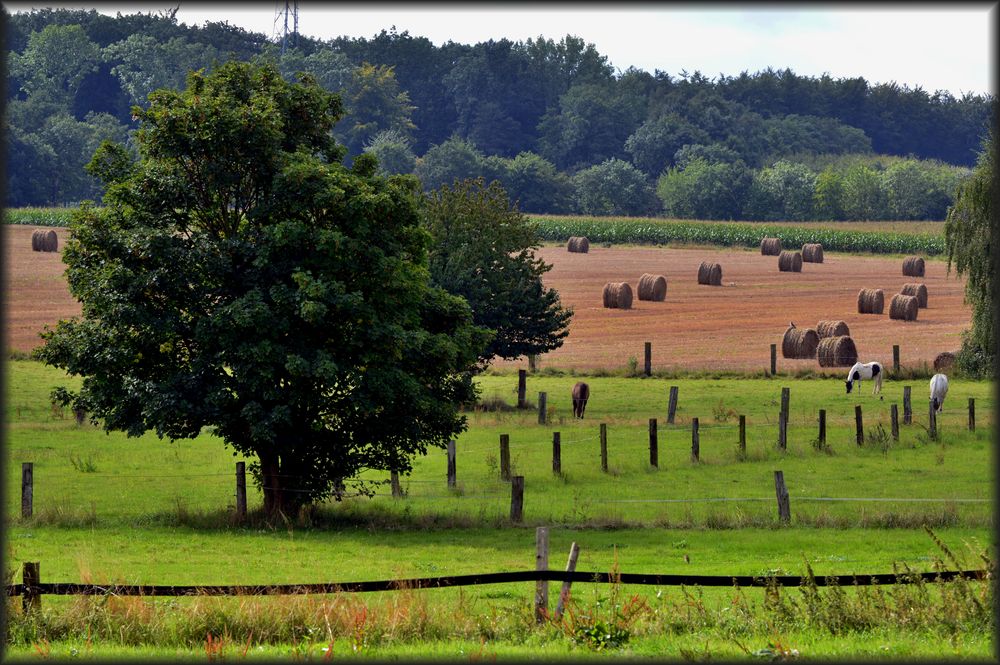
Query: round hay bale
point(710, 273)
point(916, 289)
point(944, 361)
point(770, 246)
point(652, 287)
point(913, 266)
point(871, 301)
point(799, 343)
point(790, 261)
point(832, 329)
point(44, 240)
point(617, 295)
point(578, 244)
point(836, 352)
point(903, 308)
point(812, 252)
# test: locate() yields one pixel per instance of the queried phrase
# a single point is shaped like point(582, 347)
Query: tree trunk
point(270, 481)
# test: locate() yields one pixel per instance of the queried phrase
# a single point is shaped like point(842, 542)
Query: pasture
point(108, 509)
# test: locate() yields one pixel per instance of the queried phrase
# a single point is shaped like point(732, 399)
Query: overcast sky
point(937, 46)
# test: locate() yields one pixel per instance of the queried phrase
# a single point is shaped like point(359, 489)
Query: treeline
point(552, 120)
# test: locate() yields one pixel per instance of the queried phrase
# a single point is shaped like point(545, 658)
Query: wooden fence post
point(27, 489)
point(241, 491)
point(672, 405)
point(541, 563)
point(784, 509)
point(743, 435)
point(785, 396)
point(694, 440)
point(932, 420)
point(556, 453)
point(505, 457)
point(532, 362)
point(774, 359)
point(31, 599)
point(782, 431)
point(397, 490)
point(516, 498)
point(895, 359)
point(822, 427)
point(574, 553)
point(541, 408)
point(451, 463)
point(859, 429)
point(647, 366)
point(894, 418)
point(972, 414)
point(907, 411)
point(604, 447)
point(81, 415)
point(522, 386)
point(654, 457)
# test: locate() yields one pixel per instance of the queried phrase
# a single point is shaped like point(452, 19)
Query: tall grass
point(597, 617)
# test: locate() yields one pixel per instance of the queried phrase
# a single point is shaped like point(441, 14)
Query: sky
point(936, 46)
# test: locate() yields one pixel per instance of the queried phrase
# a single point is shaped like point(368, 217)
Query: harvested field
point(722, 328)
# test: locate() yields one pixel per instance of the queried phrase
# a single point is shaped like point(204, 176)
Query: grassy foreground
point(112, 509)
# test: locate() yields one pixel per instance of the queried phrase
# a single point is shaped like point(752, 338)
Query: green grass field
point(112, 509)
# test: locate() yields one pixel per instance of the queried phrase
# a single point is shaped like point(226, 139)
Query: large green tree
point(484, 251)
point(970, 232)
point(240, 278)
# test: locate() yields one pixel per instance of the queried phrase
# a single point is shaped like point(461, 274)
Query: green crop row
point(649, 232)
point(38, 216)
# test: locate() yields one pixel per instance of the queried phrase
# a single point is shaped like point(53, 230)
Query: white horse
point(939, 389)
point(872, 370)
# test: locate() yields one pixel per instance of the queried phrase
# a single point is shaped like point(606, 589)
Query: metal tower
point(282, 14)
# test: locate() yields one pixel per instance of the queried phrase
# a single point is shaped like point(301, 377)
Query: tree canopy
point(484, 251)
point(240, 278)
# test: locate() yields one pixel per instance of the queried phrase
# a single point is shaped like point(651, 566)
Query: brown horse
point(581, 393)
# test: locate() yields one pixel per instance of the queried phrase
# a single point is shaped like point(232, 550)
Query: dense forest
point(561, 129)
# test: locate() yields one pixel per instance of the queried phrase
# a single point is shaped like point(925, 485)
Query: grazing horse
point(581, 393)
point(872, 370)
point(939, 389)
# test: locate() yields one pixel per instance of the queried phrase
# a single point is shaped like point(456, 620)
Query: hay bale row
point(944, 361)
point(812, 252)
point(871, 301)
point(799, 343)
point(578, 244)
point(652, 287)
point(832, 329)
point(913, 266)
point(770, 246)
point(790, 262)
point(916, 289)
point(836, 352)
point(44, 240)
point(617, 295)
point(903, 308)
point(710, 273)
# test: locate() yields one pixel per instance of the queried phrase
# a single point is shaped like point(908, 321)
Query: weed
point(83, 465)
point(632, 367)
point(878, 439)
point(721, 414)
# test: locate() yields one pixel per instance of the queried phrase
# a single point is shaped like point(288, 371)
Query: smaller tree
point(782, 191)
point(614, 187)
point(655, 143)
point(483, 249)
point(863, 197)
point(703, 190)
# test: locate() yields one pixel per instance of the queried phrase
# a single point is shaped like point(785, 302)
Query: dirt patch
point(728, 327)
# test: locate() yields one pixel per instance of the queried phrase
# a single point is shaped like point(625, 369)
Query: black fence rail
point(70, 589)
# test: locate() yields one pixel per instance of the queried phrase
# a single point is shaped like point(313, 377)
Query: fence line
point(72, 589)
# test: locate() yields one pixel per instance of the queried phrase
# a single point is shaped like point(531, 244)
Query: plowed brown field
point(727, 327)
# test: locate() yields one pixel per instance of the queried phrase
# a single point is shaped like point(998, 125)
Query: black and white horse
point(939, 389)
point(872, 370)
